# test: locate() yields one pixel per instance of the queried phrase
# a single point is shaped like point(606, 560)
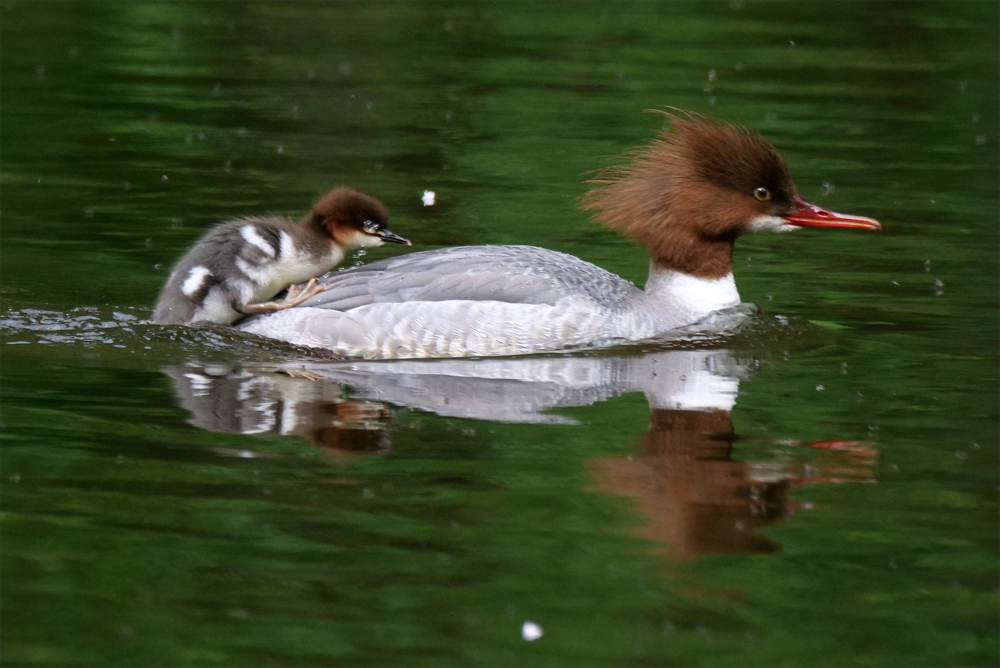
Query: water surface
point(818, 488)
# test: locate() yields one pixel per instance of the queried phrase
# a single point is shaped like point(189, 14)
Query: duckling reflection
point(279, 402)
point(692, 495)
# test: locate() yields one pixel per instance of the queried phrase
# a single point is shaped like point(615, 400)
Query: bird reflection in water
point(695, 499)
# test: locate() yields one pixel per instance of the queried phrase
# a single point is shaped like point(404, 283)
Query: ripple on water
point(128, 328)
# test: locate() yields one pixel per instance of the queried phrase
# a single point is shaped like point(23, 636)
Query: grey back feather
point(514, 274)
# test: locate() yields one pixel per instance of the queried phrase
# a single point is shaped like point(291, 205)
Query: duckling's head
point(354, 220)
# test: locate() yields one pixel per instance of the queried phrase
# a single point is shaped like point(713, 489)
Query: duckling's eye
point(369, 227)
point(762, 194)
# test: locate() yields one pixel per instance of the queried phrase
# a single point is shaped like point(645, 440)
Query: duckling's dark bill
point(386, 235)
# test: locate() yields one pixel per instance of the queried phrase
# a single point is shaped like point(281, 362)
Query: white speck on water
point(769, 298)
point(980, 140)
point(963, 86)
point(310, 74)
point(820, 388)
point(531, 631)
point(827, 188)
point(960, 455)
point(279, 150)
point(711, 100)
point(927, 265)
point(933, 202)
point(88, 213)
point(40, 71)
point(974, 446)
point(791, 42)
point(428, 198)
point(895, 282)
point(711, 75)
point(938, 287)
point(367, 493)
point(843, 368)
point(201, 136)
point(158, 266)
point(14, 478)
point(165, 177)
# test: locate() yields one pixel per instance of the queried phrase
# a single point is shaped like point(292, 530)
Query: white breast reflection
point(695, 498)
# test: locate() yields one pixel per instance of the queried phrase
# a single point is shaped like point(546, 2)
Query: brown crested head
point(353, 219)
point(688, 194)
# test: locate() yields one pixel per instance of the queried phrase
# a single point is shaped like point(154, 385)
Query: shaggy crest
point(689, 193)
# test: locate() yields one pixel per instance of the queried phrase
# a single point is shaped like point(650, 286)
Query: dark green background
point(129, 127)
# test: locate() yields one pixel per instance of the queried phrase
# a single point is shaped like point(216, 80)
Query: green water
point(843, 513)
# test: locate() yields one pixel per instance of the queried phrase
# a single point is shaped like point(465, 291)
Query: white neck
point(693, 296)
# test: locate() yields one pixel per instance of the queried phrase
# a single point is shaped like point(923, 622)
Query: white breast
point(269, 277)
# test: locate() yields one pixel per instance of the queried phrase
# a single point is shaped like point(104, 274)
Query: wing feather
point(514, 274)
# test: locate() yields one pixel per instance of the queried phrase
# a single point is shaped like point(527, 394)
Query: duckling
point(239, 265)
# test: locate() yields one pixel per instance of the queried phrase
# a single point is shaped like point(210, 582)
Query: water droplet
point(531, 631)
point(827, 188)
point(428, 198)
point(711, 75)
point(927, 265)
point(279, 150)
point(820, 388)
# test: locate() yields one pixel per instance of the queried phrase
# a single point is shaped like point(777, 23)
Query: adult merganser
point(685, 197)
point(240, 264)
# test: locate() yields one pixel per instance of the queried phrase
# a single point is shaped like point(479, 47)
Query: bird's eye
point(369, 227)
point(762, 194)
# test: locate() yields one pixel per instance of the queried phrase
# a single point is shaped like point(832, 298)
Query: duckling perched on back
point(241, 264)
